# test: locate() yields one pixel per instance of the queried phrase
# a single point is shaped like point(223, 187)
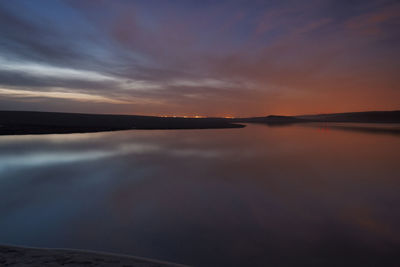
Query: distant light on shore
point(185, 116)
point(193, 116)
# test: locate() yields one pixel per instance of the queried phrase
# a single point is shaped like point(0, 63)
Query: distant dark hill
point(365, 117)
point(362, 117)
point(26, 122)
point(271, 120)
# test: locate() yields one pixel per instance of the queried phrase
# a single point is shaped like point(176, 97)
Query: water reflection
point(254, 196)
point(373, 128)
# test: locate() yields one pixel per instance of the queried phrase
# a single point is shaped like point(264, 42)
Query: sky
point(207, 58)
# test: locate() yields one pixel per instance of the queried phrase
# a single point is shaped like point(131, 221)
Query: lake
point(284, 195)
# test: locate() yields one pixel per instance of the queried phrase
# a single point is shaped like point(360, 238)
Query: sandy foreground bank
point(26, 256)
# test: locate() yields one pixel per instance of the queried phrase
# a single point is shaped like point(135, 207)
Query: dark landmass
point(26, 122)
point(21, 256)
point(368, 121)
point(271, 120)
point(360, 117)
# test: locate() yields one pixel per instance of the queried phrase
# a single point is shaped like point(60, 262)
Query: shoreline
point(29, 123)
point(34, 122)
point(7, 131)
point(11, 255)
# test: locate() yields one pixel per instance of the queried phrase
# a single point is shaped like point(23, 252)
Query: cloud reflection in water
point(256, 194)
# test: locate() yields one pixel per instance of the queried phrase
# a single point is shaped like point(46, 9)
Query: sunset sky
point(191, 57)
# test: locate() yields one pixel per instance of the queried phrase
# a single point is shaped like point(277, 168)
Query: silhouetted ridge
point(362, 117)
point(367, 117)
point(271, 119)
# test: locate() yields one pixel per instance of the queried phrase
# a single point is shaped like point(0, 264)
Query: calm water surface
point(278, 196)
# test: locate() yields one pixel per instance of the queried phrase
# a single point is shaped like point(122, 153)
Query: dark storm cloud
point(236, 57)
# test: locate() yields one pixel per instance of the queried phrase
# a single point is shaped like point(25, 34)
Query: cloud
point(209, 58)
point(375, 22)
point(59, 94)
